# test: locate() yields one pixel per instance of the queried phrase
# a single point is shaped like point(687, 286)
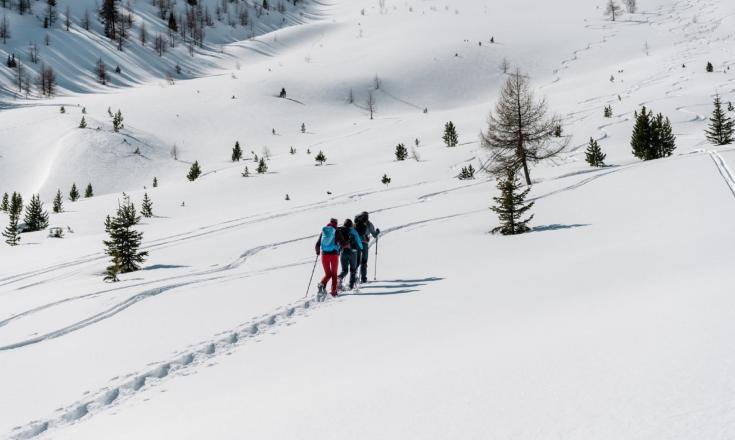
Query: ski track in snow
point(724, 170)
point(202, 353)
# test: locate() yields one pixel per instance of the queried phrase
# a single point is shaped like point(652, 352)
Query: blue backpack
point(329, 239)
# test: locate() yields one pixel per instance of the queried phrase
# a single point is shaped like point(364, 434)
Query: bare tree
point(33, 52)
point(175, 152)
point(85, 20)
point(67, 19)
point(4, 29)
point(143, 34)
point(376, 82)
point(519, 130)
point(505, 65)
point(613, 9)
point(46, 80)
point(101, 72)
point(632, 6)
point(371, 104)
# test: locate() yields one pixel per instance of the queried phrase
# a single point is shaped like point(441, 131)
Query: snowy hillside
point(612, 318)
point(75, 43)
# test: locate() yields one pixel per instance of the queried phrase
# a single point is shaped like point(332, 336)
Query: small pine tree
point(308, 151)
point(665, 141)
point(36, 218)
point(109, 112)
point(720, 131)
point(557, 131)
point(155, 182)
point(236, 152)
point(58, 205)
point(292, 150)
point(124, 242)
point(146, 208)
point(641, 137)
point(12, 237)
point(401, 152)
point(511, 207)
point(710, 68)
point(246, 172)
point(450, 137)
point(255, 158)
point(83, 123)
point(5, 204)
point(73, 193)
point(84, 110)
point(303, 128)
point(287, 198)
point(62, 110)
point(467, 173)
point(730, 107)
point(385, 180)
point(194, 171)
point(321, 158)
point(262, 166)
point(16, 204)
point(117, 121)
point(594, 155)
point(88, 192)
point(608, 111)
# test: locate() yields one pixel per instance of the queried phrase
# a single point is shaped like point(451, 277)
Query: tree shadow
point(388, 292)
point(163, 266)
point(557, 227)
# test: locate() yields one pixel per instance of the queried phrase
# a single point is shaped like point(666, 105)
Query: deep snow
point(612, 319)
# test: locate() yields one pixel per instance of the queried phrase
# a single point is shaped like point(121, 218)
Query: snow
point(611, 319)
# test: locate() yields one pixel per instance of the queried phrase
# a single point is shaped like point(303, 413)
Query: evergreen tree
point(510, 205)
point(720, 130)
point(109, 14)
point(83, 123)
point(303, 127)
point(262, 166)
point(117, 121)
point(73, 193)
point(194, 171)
point(62, 110)
point(89, 192)
point(608, 112)
point(558, 131)
point(146, 208)
point(385, 180)
point(12, 237)
point(730, 107)
point(292, 150)
point(467, 173)
point(16, 204)
point(246, 172)
point(155, 182)
point(58, 203)
point(236, 152)
point(641, 138)
point(5, 204)
point(321, 158)
point(172, 23)
point(36, 218)
point(124, 242)
point(401, 152)
point(450, 137)
point(710, 68)
point(664, 139)
point(594, 155)
point(84, 110)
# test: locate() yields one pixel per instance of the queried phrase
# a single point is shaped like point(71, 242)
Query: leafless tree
point(381, 5)
point(371, 104)
point(4, 29)
point(632, 6)
point(101, 71)
point(351, 97)
point(520, 131)
point(376, 82)
point(613, 9)
point(33, 52)
point(159, 44)
point(85, 20)
point(143, 34)
point(46, 80)
point(505, 65)
point(67, 19)
point(175, 152)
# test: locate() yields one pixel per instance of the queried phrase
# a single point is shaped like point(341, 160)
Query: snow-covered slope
point(612, 319)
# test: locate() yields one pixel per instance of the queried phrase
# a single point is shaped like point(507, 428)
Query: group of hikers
point(347, 245)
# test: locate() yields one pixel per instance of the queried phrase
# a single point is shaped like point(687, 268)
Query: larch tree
point(613, 10)
point(520, 131)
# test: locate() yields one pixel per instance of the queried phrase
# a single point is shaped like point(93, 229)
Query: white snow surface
point(614, 318)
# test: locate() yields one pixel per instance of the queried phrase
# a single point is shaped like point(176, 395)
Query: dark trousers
point(348, 261)
point(362, 261)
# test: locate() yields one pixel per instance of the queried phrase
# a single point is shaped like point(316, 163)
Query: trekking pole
point(316, 260)
point(375, 268)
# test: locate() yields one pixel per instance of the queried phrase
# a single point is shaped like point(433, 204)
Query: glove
point(377, 231)
point(318, 253)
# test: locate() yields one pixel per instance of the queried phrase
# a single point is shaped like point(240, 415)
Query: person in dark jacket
point(365, 229)
point(327, 245)
point(351, 248)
